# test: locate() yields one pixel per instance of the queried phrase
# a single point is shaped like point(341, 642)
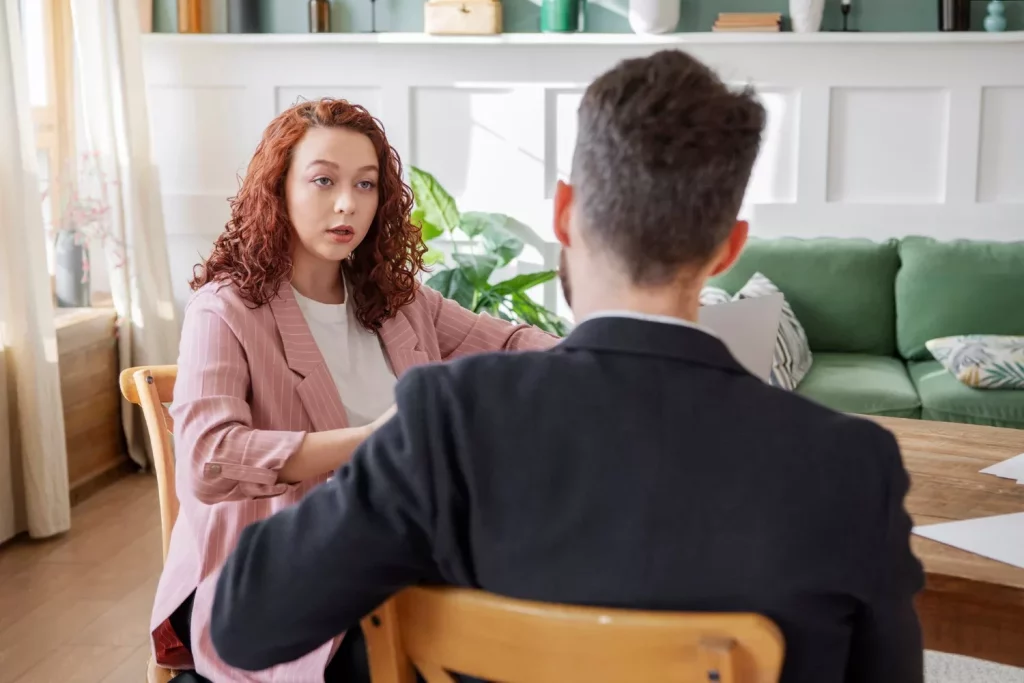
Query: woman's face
point(331, 191)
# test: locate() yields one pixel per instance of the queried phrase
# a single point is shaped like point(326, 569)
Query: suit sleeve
point(228, 459)
point(461, 332)
point(887, 642)
point(310, 572)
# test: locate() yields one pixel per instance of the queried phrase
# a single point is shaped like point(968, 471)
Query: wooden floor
point(76, 609)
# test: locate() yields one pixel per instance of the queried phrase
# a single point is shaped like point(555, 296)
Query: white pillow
point(982, 361)
point(793, 357)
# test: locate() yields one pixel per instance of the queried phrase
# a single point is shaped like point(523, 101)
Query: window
point(48, 40)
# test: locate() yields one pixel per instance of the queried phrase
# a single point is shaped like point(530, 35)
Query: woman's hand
point(380, 421)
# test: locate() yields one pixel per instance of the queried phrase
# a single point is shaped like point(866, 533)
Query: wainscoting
point(870, 134)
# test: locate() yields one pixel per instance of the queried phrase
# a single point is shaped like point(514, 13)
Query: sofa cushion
point(861, 383)
point(982, 361)
point(945, 399)
point(959, 287)
point(841, 290)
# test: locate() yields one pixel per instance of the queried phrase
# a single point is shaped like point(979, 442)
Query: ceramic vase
point(805, 15)
point(559, 16)
point(71, 279)
point(653, 16)
point(996, 19)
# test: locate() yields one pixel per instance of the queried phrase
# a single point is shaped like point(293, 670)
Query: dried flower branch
point(82, 208)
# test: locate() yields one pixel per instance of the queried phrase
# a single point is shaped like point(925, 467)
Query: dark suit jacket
point(636, 464)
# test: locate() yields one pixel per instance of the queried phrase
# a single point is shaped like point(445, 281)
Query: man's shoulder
point(489, 371)
point(855, 439)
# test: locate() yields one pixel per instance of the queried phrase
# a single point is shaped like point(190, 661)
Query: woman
point(303, 316)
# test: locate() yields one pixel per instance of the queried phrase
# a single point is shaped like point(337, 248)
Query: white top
point(354, 356)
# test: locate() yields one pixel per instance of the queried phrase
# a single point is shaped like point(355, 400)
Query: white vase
point(805, 15)
point(653, 16)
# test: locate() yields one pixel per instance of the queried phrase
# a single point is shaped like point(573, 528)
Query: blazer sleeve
point(213, 433)
point(887, 641)
point(311, 571)
point(461, 332)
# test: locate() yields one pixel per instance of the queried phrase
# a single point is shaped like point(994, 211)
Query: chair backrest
point(150, 387)
point(478, 634)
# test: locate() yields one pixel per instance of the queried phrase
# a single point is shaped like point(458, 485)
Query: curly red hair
point(254, 251)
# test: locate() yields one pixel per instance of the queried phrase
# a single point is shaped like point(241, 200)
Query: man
point(637, 464)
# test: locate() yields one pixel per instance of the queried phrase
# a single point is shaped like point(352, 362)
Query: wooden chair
point(151, 387)
point(515, 641)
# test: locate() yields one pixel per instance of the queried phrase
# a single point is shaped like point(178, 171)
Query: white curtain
point(112, 96)
point(33, 456)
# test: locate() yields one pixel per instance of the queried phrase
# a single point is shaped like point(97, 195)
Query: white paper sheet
point(998, 538)
point(1008, 469)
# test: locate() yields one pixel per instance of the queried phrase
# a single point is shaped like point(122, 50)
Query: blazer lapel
point(317, 390)
point(402, 344)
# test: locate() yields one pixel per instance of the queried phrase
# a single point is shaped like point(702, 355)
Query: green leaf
point(452, 284)
point(524, 282)
point(433, 257)
point(433, 200)
point(494, 230)
point(477, 267)
point(532, 313)
point(489, 302)
point(428, 230)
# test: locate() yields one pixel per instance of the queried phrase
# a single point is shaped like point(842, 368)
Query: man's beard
point(563, 277)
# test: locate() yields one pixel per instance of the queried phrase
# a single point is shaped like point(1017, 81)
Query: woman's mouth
point(341, 234)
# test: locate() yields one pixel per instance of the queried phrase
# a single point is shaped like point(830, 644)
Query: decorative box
point(462, 17)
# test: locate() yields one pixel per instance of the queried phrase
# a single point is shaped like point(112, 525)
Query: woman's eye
point(325, 181)
point(366, 184)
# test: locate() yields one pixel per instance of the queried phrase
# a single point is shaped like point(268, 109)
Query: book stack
point(758, 22)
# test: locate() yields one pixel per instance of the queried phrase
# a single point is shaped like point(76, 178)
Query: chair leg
point(157, 674)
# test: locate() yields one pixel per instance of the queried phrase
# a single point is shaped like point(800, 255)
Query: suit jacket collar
point(626, 335)
point(303, 355)
point(401, 344)
point(317, 390)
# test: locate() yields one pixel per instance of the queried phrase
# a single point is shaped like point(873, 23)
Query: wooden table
point(971, 605)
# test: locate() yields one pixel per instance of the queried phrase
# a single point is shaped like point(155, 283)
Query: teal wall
point(603, 16)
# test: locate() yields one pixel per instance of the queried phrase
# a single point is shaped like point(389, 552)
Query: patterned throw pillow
point(982, 361)
point(793, 357)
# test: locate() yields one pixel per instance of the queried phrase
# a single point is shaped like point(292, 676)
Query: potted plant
point(481, 244)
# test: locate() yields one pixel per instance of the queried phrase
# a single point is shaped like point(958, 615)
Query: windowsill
point(102, 306)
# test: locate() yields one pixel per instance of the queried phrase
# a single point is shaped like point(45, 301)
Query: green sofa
point(869, 307)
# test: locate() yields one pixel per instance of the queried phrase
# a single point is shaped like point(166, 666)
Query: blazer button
point(213, 469)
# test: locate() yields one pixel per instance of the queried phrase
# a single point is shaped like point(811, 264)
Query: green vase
point(560, 16)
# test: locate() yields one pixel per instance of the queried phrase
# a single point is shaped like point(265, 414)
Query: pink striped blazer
point(250, 383)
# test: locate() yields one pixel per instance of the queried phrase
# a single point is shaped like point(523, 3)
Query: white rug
point(943, 668)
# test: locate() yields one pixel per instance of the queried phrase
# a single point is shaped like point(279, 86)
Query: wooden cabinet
point(88, 362)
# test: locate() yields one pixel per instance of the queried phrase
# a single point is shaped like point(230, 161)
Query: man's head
point(663, 156)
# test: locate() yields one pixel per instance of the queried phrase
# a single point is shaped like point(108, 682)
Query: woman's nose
point(344, 203)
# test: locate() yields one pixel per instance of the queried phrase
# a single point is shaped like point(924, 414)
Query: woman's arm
point(323, 452)
point(461, 332)
point(230, 460)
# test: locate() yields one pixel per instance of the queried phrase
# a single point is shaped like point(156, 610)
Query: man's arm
point(887, 634)
point(310, 572)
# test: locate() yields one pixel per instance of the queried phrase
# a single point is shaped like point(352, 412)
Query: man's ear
point(730, 250)
point(563, 210)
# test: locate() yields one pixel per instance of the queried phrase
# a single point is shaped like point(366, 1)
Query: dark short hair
point(663, 156)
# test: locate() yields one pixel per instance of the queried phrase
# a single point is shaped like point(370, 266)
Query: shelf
point(589, 39)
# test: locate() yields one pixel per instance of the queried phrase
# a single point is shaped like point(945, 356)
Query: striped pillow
point(793, 357)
